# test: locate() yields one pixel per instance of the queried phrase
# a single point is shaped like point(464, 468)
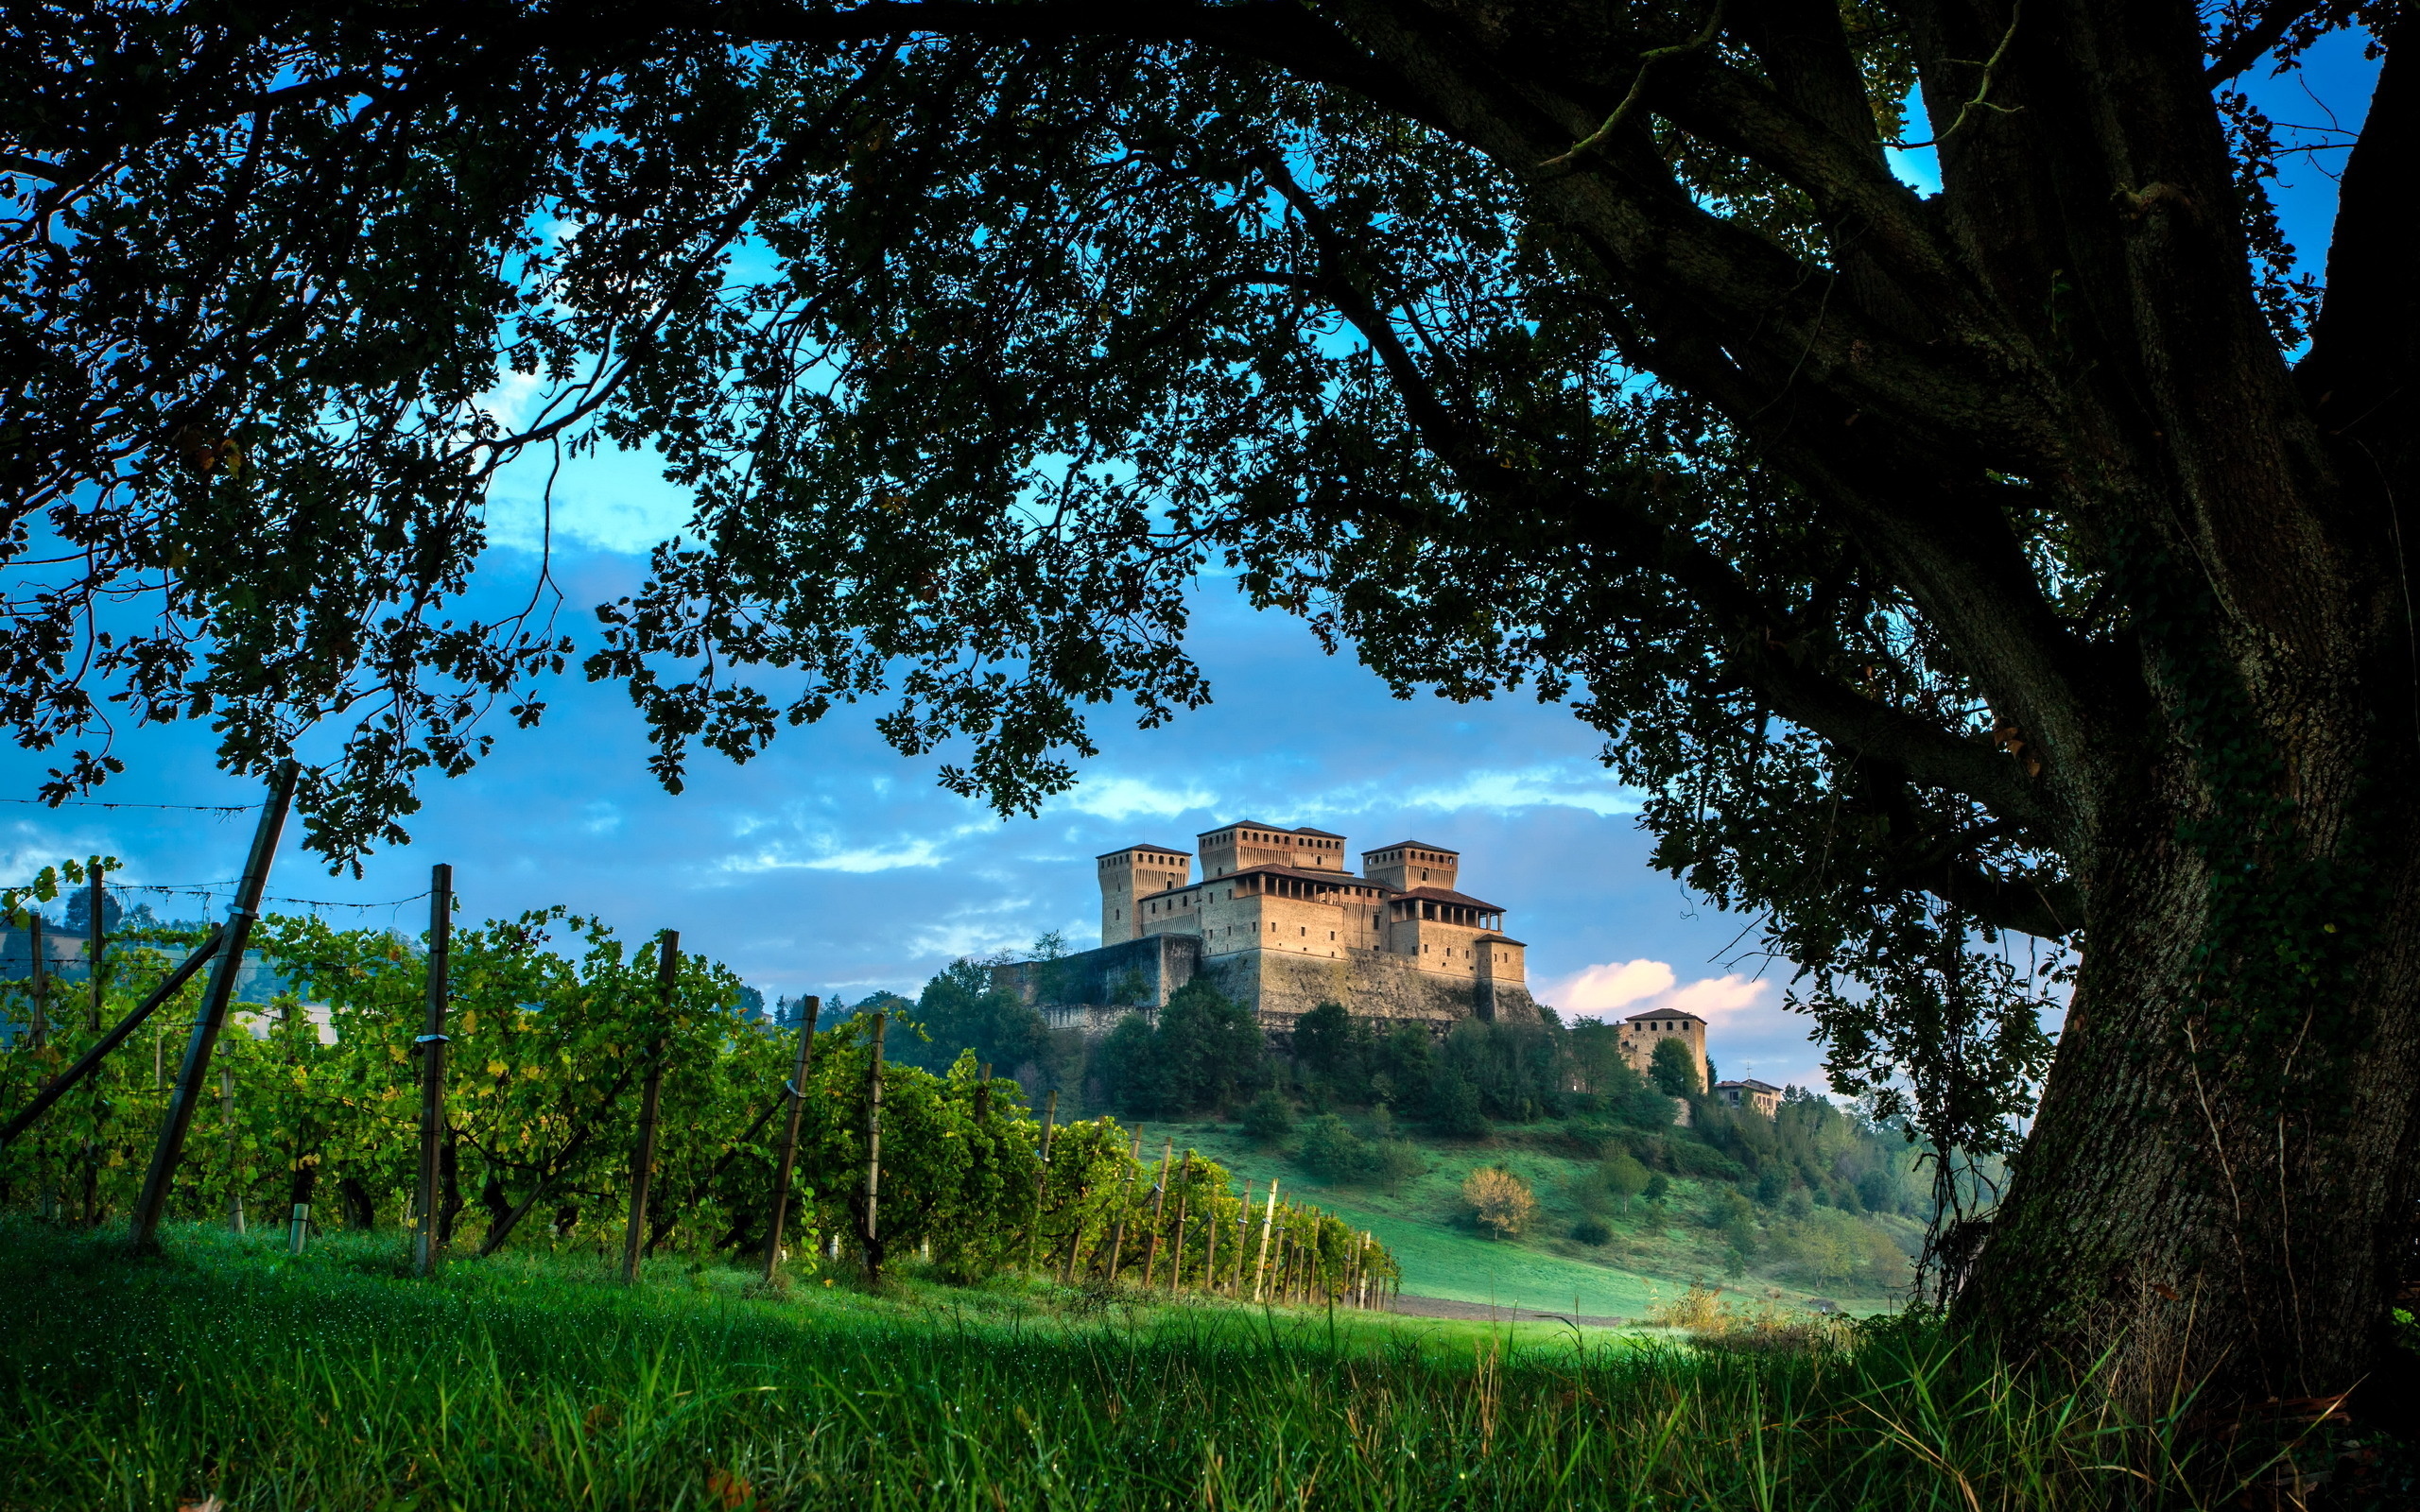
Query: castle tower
point(1408, 864)
point(1641, 1032)
point(1137, 871)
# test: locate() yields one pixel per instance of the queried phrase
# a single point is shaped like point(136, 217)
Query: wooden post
point(304, 1164)
point(97, 940)
point(667, 971)
point(1042, 1177)
point(1210, 1244)
point(1125, 1200)
point(873, 1235)
point(431, 1045)
point(1243, 1241)
point(809, 1010)
point(1184, 1199)
point(234, 1146)
point(1260, 1266)
point(39, 984)
point(1159, 1213)
point(983, 1092)
point(187, 1094)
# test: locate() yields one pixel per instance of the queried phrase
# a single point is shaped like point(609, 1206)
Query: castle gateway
point(1276, 922)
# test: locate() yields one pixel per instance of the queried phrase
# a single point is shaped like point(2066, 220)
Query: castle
point(1276, 922)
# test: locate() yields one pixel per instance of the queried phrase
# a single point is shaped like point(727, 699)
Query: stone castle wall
point(1091, 991)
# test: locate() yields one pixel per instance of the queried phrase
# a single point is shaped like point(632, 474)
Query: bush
point(1592, 1231)
point(1270, 1118)
point(1624, 1177)
point(1659, 1186)
point(1399, 1161)
point(1643, 1107)
point(1704, 1162)
point(1333, 1150)
point(1456, 1106)
point(1500, 1200)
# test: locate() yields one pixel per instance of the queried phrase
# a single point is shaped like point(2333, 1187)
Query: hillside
point(1655, 1248)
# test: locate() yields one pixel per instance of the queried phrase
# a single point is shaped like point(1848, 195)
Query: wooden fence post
point(1184, 1200)
point(1125, 1201)
point(37, 986)
point(66, 1081)
point(1159, 1213)
point(1260, 1266)
point(431, 1045)
point(1042, 1177)
point(873, 1235)
point(808, 1011)
point(98, 940)
point(187, 1094)
point(1210, 1244)
point(667, 971)
point(235, 1186)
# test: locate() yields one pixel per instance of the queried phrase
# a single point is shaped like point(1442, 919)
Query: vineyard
point(604, 1093)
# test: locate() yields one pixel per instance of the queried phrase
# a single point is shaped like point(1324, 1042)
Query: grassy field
point(227, 1370)
point(1444, 1254)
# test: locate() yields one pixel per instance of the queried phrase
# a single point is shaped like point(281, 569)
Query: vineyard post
point(809, 1009)
point(98, 933)
point(306, 1161)
point(235, 1151)
point(1125, 1201)
point(1210, 1240)
point(1183, 1201)
point(39, 987)
point(1041, 1176)
point(1243, 1240)
point(1267, 1218)
point(154, 1204)
point(431, 1045)
point(873, 1235)
point(1159, 1213)
point(982, 1093)
point(667, 971)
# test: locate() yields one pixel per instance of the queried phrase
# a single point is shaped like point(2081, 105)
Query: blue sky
point(831, 865)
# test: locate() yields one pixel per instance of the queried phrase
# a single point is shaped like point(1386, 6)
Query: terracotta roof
point(1319, 875)
point(1751, 1084)
point(1492, 938)
point(1447, 895)
point(1145, 845)
point(1325, 834)
point(1665, 1014)
point(1422, 844)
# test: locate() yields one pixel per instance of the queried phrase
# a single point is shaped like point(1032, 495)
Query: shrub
point(1623, 1176)
point(1689, 1157)
point(1592, 1231)
point(1399, 1161)
point(1270, 1118)
point(1333, 1150)
point(1645, 1107)
point(1500, 1200)
point(1456, 1105)
point(1659, 1186)
point(1673, 1069)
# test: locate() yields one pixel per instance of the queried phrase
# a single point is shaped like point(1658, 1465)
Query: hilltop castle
point(1278, 923)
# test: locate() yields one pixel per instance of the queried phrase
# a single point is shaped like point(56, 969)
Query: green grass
point(335, 1381)
point(1444, 1255)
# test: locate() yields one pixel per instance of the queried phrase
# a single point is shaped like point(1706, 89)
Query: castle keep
point(1277, 922)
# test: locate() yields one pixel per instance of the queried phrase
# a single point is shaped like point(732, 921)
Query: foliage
point(1501, 1201)
point(1205, 1054)
point(960, 1009)
point(1454, 1106)
point(1674, 1068)
point(1591, 1231)
point(547, 1050)
point(1270, 1118)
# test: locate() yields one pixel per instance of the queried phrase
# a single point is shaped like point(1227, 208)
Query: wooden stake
point(1210, 1244)
point(1269, 1218)
point(187, 1094)
point(1125, 1201)
point(98, 940)
point(49, 1203)
point(234, 1182)
point(809, 1010)
point(667, 971)
point(983, 1093)
point(431, 1045)
point(1040, 1177)
point(1159, 1210)
point(1183, 1198)
point(873, 1235)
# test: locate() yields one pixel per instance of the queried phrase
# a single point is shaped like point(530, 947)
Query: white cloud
point(1129, 798)
point(860, 859)
point(1650, 987)
point(1531, 788)
point(1610, 988)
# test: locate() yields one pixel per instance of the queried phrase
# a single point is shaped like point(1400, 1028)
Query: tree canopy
point(1943, 567)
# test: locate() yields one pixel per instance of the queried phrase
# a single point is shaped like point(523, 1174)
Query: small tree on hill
point(1674, 1070)
point(1500, 1200)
